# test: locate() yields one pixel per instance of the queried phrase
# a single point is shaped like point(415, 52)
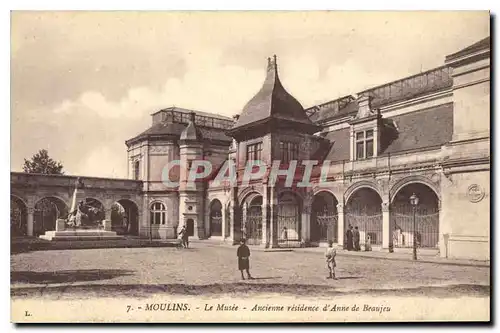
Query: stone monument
point(85, 221)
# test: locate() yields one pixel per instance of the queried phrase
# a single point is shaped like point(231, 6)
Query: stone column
point(244, 211)
point(351, 144)
point(273, 214)
point(265, 217)
point(224, 231)
point(340, 222)
point(30, 221)
point(306, 222)
point(387, 241)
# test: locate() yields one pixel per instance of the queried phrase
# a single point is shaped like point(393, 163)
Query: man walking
point(184, 237)
point(243, 254)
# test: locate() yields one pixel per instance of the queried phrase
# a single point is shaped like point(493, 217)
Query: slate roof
point(272, 102)
point(432, 127)
point(175, 130)
point(426, 128)
point(406, 88)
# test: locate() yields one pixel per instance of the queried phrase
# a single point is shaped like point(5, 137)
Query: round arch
point(324, 217)
point(359, 185)
point(243, 196)
point(412, 180)
point(363, 217)
point(419, 223)
point(125, 217)
point(47, 211)
point(289, 224)
point(215, 217)
point(18, 216)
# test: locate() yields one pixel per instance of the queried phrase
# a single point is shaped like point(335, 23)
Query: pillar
point(244, 210)
point(30, 221)
point(305, 236)
point(273, 214)
point(387, 241)
point(265, 217)
point(340, 224)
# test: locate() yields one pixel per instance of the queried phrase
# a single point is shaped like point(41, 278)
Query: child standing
point(330, 255)
point(243, 254)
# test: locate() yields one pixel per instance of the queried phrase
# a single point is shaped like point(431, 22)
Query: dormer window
point(364, 144)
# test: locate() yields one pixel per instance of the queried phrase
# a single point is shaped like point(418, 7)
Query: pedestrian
point(355, 238)
point(183, 234)
point(331, 263)
point(243, 254)
point(368, 244)
point(284, 234)
point(348, 234)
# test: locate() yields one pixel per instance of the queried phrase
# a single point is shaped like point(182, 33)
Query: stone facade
point(427, 134)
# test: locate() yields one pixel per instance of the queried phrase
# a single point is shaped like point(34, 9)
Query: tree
point(42, 163)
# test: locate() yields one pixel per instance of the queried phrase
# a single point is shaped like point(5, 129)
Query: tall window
point(158, 213)
point(364, 144)
point(254, 152)
point(289, 151)
point(136, 170)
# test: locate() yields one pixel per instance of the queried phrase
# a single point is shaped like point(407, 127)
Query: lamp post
point(414, 202)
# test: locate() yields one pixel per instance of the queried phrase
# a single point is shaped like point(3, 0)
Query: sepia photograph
point(250, 166)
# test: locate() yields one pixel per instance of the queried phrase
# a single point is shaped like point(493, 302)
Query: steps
point(80, 235)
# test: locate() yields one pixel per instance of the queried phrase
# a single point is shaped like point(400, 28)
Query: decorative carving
point(340, 208)
point(385, 206)
point(475, 193)
point(158, 149)
point(435, 178)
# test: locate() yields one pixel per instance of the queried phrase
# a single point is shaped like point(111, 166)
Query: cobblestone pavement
point(212, 270)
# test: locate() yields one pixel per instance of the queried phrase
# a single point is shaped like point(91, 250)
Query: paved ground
point(212, 271)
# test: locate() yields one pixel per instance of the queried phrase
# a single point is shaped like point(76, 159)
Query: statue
point(87, 213)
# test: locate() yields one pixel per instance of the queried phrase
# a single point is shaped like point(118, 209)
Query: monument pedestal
point(80, 235)
point(63, 233)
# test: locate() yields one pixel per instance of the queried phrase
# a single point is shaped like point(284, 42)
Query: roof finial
point(269, 64)
point(275, 64)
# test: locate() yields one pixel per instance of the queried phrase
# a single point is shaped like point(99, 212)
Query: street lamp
point(414, 202)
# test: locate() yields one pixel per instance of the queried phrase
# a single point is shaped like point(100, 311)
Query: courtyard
point(211, 271)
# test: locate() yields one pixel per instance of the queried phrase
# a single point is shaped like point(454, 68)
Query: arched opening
point(253, 220)
point(215, 218)
point(18, 217)
point(426, 226)
point(289, 219)
point(324, 218)
point(363, 215)
point(47, 211)
point(90, 213)
point(124, 217)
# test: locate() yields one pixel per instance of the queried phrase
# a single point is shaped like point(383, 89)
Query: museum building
point(426, 135)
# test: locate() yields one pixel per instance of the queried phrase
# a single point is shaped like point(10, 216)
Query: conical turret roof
point(272, 102)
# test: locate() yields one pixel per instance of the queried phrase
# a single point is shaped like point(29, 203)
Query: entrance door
point(190, 227)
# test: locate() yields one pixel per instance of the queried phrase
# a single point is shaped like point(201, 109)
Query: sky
point(84, 82)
